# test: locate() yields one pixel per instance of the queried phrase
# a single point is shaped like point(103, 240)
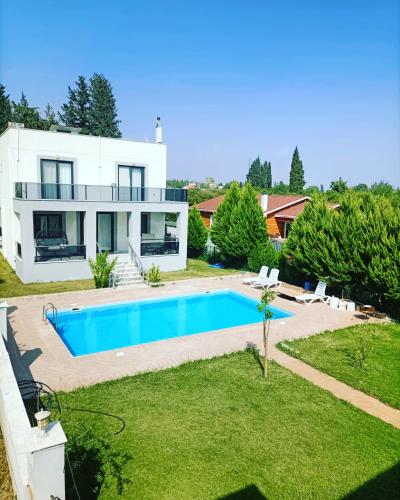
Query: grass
point(11, 285)
point(6, 489)
point(208, 429)
point(196, 269)
point(338, 354)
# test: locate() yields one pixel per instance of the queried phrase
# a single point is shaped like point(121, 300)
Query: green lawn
point(212, 428)
point(337, 354)
point(11, 285)
point(196, 269)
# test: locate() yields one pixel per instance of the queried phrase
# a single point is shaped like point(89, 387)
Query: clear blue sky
point(231, 79)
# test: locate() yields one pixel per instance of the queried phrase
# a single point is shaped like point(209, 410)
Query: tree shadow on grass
point(251, 492)
point(385, 485)
point(252, 349)
point(91, 461)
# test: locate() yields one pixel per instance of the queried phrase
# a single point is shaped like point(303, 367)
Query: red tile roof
point(275, 202)
point(292, 211)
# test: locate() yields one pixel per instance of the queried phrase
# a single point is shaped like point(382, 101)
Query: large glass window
point(130, 183)
point(56, 179)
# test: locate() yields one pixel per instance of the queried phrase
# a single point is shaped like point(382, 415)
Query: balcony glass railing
point(87, 192)
point(159, 247)
point(46, 253)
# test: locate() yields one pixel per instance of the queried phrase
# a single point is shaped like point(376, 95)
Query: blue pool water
point(101, 328)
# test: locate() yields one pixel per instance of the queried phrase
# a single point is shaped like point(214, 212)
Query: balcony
point(86, 192)
point(159, 247)
point(53, 245)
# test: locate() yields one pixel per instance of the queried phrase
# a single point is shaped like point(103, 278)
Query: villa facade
point(64, 197)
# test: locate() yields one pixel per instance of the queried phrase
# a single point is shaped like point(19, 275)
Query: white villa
point(64, 197)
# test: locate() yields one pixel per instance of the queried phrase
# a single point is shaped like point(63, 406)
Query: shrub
point(197, 234)
point(101, 269)
point(153, 275)
point(262, 255)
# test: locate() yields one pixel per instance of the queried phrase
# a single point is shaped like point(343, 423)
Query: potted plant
point(153, 276)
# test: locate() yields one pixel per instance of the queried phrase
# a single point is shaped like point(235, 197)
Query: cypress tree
point(223, 217)
point(197, 233)
point(267, 175)
point(5, 109)
point(103, 111)
point(255, 173)
point(23, 113)
point(296, 180)
point(248, 228)
point(75, 112)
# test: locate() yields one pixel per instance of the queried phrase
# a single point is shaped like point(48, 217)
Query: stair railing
point(135, 258)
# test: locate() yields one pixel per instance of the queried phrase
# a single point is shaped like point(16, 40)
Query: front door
point(105, 231)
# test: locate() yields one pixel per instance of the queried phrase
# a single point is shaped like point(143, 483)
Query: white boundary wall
point(36, 462)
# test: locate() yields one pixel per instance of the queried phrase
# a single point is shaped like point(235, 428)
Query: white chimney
point(158, 131)
point(264, 202)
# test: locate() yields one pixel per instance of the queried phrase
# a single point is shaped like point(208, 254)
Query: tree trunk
point(265, 338)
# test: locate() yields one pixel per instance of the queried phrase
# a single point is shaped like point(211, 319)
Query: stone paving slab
point(38, 352)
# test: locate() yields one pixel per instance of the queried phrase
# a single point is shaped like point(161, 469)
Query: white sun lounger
point(319, 294)
point(271, 281)
point(262, 275)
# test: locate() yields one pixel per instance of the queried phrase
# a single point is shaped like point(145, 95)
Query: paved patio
point(37, 351)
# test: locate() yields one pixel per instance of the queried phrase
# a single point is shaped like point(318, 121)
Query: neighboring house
point(65, 197)
point(279, 211)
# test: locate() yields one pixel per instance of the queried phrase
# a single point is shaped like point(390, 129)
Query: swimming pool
point(102, 328)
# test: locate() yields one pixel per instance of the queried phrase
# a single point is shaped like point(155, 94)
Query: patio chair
point(271, 281)
point(262, 275)
point(319, 294)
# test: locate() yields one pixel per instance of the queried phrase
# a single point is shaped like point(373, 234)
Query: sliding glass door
point(56, 179)
point(105, 231)
point(130, 183)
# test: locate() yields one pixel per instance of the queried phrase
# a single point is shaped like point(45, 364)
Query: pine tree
point(296, 180)
point(75, 113)
point(247, 229)
point(23, 113)
point(197, 233)
point(5, 109)
point(255, 173)
point(223, 217)
point(267, 175)
point(103, 112)
point(49, 118)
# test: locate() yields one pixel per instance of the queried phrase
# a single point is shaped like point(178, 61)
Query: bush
point(197, 234)
point(101, 269)
point(153, 275)
point(262, 255)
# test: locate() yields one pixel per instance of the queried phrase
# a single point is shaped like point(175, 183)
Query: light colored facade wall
point(95, 162)
point(29, 271)
point(95, 159)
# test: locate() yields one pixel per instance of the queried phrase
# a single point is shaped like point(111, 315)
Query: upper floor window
point(130, 183)
point(56, 179)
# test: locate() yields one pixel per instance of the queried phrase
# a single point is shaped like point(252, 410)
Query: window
point(56, 179)
point(130, 183)
point(287, 229)
point(47, 223)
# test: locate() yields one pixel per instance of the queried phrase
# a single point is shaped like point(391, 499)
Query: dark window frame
point(57, 162)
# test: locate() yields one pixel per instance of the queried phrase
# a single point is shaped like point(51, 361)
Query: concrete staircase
point(126, 273)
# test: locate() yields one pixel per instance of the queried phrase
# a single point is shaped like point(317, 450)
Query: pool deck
point(37, 352)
